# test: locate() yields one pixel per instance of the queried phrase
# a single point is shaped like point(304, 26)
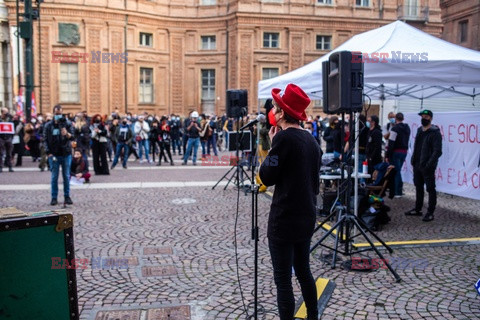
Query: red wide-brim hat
point(294, 101)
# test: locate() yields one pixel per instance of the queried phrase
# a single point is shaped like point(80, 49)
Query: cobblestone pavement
point(180, 246)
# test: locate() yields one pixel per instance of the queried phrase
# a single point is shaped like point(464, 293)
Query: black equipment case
point(37, 269)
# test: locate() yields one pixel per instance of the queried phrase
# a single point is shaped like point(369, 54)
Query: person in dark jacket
point(175, 126)
point(18, 140)
point(58, 134)
point(397, 150)
point(99, 145)
point(293, 166)
point(154, 138)
point(193, 133)
point(426, 152)
point(328, 133)
point(336, 134)
point(123, 136)
point(374, 143)
point(362, 140)
point(164, 140)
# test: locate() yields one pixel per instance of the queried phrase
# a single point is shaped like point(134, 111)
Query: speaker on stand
point(237, 103)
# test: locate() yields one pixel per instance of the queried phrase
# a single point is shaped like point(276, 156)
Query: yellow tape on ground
point(321, 284)
point(406, 242)
point(327, 227)
point(417, 242)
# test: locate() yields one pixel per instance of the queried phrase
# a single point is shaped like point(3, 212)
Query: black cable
point(245, 310)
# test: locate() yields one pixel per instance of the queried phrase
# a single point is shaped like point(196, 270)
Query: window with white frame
point(145, 90)
point(146, 39)
point(209, 43)
point(69, 83)
point(268, 73)
point(208, 84)
point(270, 39)
point(362, 3)
point(208, 2)
point(324, 1)
point(324, 42)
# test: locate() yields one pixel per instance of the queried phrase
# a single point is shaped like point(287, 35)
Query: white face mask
point(40, 118)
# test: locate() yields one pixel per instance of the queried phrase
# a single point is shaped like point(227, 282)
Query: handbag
point(138, 137)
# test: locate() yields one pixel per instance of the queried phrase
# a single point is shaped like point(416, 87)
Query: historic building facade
point(179, 55)
point(461, 20)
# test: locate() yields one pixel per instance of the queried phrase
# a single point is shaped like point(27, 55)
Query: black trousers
point(421, 178)
point(99, 154)
point(284, 256)
point(164, 151)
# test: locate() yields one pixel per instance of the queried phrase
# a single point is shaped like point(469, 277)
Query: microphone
point(260, 118)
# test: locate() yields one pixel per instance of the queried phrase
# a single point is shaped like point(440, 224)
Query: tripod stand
point(347, 220)
point(239, 171)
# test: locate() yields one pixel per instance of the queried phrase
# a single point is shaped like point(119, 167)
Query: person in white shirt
point(141, 130)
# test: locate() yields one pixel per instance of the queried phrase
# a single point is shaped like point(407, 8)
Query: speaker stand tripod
point(239, 173)
point(347, 220)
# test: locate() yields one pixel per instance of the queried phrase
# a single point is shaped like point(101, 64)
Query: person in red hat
point(292, 165)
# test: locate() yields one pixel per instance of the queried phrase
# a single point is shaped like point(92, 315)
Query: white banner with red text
point(458, 170)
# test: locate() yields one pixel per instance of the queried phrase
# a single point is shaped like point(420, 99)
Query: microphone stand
point(255, 230)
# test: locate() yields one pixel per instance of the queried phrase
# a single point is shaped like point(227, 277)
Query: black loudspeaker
point(237, 103)
point(342, 77)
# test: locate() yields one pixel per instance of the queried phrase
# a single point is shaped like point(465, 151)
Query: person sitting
point(79, 167)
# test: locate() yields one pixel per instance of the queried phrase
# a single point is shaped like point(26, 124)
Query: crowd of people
point(149, 138)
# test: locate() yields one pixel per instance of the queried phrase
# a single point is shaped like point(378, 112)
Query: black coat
point(374, 146)
point(293, 166)
point(427, 149)
point(398, 140)
point(55, 143)
point(328, 137)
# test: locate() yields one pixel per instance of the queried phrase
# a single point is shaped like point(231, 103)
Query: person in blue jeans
point(397, 150)
point(123, 136)
point(142, 129)
point(58, 134)
point(193, 132)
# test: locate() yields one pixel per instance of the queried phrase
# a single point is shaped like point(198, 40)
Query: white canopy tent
point(446, 69)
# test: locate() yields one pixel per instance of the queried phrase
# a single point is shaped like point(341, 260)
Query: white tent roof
point(449, 69)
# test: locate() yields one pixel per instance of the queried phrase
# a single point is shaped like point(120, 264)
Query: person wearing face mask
point(193, 132)
point(58, 134)
point(389, 125)
point(374, 143)
point(175, 133)
point(142, 129)
point(293, 166)
point(426, 152)
point(79, 167)
point(123, 136)
point(397, 150)
point(18, 141)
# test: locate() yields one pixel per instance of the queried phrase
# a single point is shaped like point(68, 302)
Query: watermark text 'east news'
point(92, 57)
